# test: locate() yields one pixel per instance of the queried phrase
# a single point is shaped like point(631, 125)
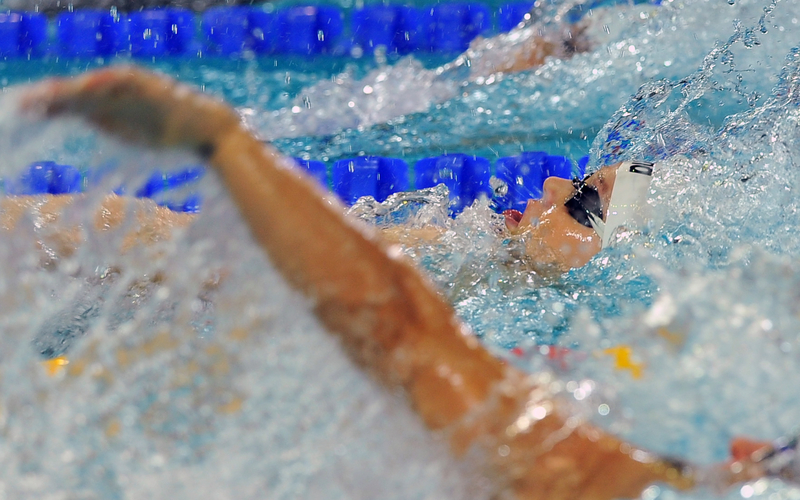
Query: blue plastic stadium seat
point(466, 176)
point(369, 176)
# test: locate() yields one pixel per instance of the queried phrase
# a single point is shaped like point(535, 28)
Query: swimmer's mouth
point(513, 218)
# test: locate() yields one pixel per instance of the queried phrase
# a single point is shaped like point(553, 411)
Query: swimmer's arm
point(393, 323)
point(521, 50)
point(56, 240)
point(386, 314)
point(411, 236)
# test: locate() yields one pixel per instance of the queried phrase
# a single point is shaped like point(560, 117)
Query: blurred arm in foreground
point(387, 316)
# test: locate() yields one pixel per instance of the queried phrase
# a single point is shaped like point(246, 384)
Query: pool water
point(204, 376)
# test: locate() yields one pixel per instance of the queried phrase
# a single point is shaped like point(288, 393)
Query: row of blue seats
point(466, 176)
point(445, 27)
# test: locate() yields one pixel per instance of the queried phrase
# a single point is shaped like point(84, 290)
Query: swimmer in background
point(530, 44)
point(387, 316)
point(407, 87)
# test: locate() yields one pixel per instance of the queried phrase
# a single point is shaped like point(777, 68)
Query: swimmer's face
point(556, 239)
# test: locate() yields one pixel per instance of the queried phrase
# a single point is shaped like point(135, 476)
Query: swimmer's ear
point(135, 105)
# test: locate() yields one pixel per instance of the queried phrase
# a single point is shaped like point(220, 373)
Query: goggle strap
point(597, 224)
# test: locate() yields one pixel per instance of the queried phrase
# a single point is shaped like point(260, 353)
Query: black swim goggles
point(585, 206)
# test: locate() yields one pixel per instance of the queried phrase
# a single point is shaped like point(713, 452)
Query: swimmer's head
point(574, 220)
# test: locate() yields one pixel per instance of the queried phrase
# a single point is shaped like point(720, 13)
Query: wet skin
point(557, 240)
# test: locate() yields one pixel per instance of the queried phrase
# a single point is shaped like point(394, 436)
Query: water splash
point(703, 300)
point(219, 410)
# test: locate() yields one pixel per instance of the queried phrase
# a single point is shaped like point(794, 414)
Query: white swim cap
point(628, 205)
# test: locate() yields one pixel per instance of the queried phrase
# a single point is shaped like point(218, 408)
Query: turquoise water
point(167, 395)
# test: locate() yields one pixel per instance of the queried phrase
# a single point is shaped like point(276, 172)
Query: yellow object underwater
point(623, 360)
point(54, 366)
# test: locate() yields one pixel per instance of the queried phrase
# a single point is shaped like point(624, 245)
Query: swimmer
point(386, 315)
point(530, 44)
point(332, 105)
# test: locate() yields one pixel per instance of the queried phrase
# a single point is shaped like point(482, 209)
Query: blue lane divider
point(373, 176)
point(524, 176)
point(81, 33)
point(466, 176)
point(308, 30)
point(301, 30)
point(22, 34)
point(511, 14)
point(230, 31)
point(225, 29)
point(158, 32)
point(456, 24)
point(47, 177)
point(159, 181)
point(446, 27)
point(378, 26)
point(316, 169)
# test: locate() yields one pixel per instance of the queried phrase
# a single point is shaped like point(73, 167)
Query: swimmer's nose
point(556, 191)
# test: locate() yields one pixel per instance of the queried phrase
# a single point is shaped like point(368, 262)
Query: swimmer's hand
point(750, 460)
point(756, 459)
point(136, 105)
